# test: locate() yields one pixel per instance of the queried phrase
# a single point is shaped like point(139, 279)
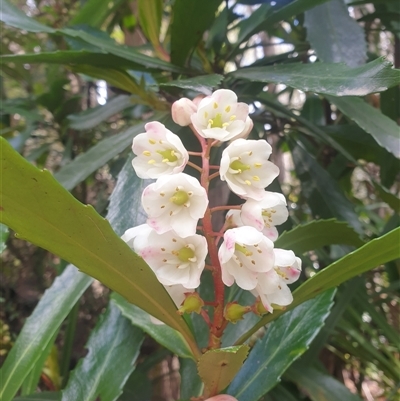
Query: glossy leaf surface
point(285, 340)
point(32, 198)
point(87, 163)
point(113, 347)
point(317, 234)
point(3, 237)
point(329, 27)
point(376, 252)
point(163, 334)
point(320, 386)
point(203, 84)
point(40, 328)
point(384, 130)
point(329, 79)
point(45, 396)
point(90, 118)
point(190, 19)
point(218, 367)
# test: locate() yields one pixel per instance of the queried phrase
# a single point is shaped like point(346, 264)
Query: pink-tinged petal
point(171, 274)
point(137, 235)
point(284, 258)
point(155, 130)
point(247, 235)
point(183, 225)
point(222, 397)
point(251, 215)
point(224, 96)
point(244, 278)
point(269, 281)
point(226, 251)
point(282, 297)
point(271, 233)
point(182, 110)
point(242, 111)
point(227, 278)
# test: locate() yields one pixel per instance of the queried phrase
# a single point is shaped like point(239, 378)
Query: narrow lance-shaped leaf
point(92, 117)
point(316, 234)
point(113, 347)
point(328, 79)
point(163, 334)
point(97, 156)
point(190, 18)
point(203, 84)
point(329, 27)
point(31, 198)
point(374, 253)
point(285, 340)
point(384, 130)
point(40, 328)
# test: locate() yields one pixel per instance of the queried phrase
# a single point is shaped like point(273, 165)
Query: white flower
point(159, 152)
point(270, 211)
point(175, 202)
point(174, 260)
point(182, 110)
point(233, 219)
point(221, 117)
point(244, 254)
point(272, 286)
point(246, 169)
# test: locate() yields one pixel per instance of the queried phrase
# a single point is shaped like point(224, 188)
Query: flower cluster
point(178, 236)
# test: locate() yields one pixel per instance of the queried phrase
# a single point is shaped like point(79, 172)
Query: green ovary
point(186, 253)
point(237, 165)
point(180, 198)
point(168, 154)
point(216, 122)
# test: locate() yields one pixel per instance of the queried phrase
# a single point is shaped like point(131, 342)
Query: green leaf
point(45, 396)
point(190, 18)
point(32, 380)
point(286, 339)
point(203, 84)
point(125, 209)
point(384, 130)
point(191, 385)
point(4, 233)
point(316, 234)
point(72, 58)
point(329, 27)
point(32, 198)
point(40, 328)
point(150, 15)
point(392, 200)
point(319, 386)
point(12, 16)
point(85, 164)
point(114, 76)
point(95, 12)
point(316, 180)
point(218, 367)
point(163, 334)
point(376, 252)
point(329, 79)
point(126, 52)
point(92, 117)
point(113, 348)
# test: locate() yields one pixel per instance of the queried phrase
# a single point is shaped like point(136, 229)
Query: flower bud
point(192, 303)
point(234, 312)
point(181, 110)
point(222, 397)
